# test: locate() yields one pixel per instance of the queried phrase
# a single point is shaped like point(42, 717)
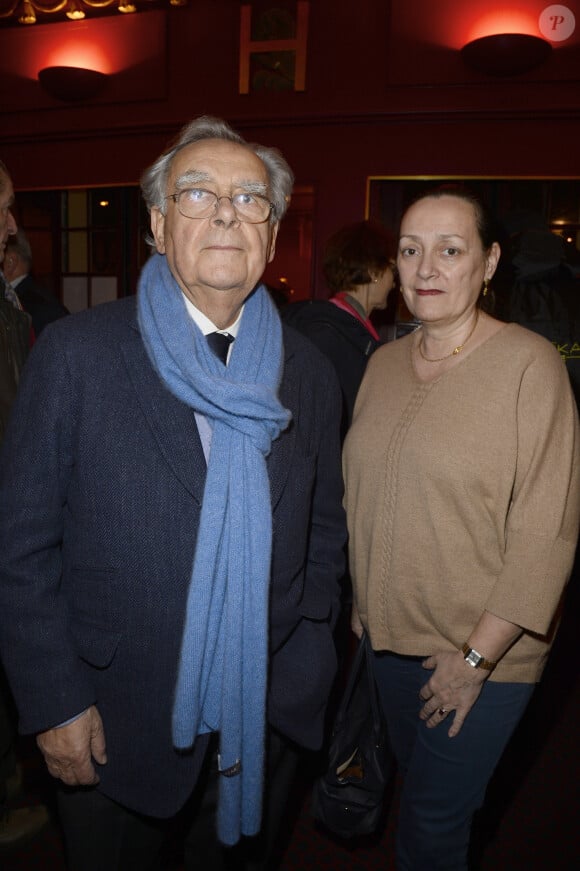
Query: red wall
point(387, 93)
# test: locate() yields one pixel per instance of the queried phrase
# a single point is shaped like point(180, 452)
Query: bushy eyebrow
point(194, 176)
point(254, 187)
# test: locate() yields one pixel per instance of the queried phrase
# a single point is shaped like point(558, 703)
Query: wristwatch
point(475, 659)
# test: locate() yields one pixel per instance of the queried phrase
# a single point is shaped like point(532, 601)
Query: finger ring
point(442, 711)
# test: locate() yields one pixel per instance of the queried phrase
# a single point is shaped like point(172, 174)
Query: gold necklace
point(455, 351)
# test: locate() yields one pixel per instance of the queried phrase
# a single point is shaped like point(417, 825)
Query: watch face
point(473, 658)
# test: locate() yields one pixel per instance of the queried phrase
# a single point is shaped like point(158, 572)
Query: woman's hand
point(454, 686)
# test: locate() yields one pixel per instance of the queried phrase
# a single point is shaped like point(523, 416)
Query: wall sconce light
point(71, 83)
point(506, 54)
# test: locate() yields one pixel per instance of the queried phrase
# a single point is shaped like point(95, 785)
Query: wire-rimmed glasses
point(200, 203)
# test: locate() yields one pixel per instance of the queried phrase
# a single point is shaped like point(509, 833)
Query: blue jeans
point(444, 779)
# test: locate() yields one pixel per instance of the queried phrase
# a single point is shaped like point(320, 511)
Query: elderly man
point(169, 565)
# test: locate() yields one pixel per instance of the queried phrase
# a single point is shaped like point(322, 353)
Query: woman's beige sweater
point(463, 495)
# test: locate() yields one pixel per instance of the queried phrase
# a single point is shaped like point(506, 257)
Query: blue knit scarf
point(221, 683)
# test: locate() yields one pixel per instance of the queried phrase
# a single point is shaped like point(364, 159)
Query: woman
point(462, 493)
point(358, 267)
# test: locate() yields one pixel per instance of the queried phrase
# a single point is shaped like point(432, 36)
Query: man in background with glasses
point(169, 565)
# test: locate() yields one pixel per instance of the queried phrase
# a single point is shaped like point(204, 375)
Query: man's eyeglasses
point(199, 203)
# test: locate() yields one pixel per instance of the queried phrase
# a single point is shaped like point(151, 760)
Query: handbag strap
point(363, 658)
point(373, 692)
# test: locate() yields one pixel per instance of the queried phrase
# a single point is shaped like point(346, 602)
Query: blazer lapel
point(175, 429)
point(172, 422)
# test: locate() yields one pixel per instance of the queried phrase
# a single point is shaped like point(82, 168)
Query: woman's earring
point(485, 286)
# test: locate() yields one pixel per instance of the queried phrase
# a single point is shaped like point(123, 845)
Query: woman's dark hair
point(484, 220)
point(354, 254)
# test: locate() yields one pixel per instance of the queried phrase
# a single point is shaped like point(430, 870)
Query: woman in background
point(462, 494)
point(359, 268)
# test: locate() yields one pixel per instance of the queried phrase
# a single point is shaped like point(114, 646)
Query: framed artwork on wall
point(273, 39)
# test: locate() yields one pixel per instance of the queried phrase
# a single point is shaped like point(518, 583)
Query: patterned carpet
point(531, 820)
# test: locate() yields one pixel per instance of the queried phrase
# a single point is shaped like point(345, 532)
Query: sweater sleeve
point(542, 522)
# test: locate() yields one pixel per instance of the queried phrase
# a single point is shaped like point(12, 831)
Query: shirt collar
point(353, 301)
point(204, 323)
point(15, 281)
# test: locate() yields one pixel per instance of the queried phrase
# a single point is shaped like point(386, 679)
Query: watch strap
point(475, 659)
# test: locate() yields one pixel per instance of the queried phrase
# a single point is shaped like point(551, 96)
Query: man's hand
point(453, 686)
point(69, 750)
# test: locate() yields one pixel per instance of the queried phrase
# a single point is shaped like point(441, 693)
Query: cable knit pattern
point(390, 489)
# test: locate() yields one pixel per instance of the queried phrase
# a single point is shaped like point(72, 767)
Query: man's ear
point(158, 229)
point(272, 243)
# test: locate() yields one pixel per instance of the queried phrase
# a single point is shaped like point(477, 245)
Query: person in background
point(540, 291)
point(15, 333)
point(169, 562)
point(41, 305)
point(359, 268)
point(462, 480)
point(19, 824)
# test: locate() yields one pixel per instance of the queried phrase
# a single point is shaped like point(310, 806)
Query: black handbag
point(348, 799)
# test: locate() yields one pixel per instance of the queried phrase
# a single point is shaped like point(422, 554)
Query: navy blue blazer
point(101, 481)
point(41, 305)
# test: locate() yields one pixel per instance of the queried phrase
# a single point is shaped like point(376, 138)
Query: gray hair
point(21, 246)
point(280, 176)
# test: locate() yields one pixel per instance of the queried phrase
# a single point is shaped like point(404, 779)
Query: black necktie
point(220, 343)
